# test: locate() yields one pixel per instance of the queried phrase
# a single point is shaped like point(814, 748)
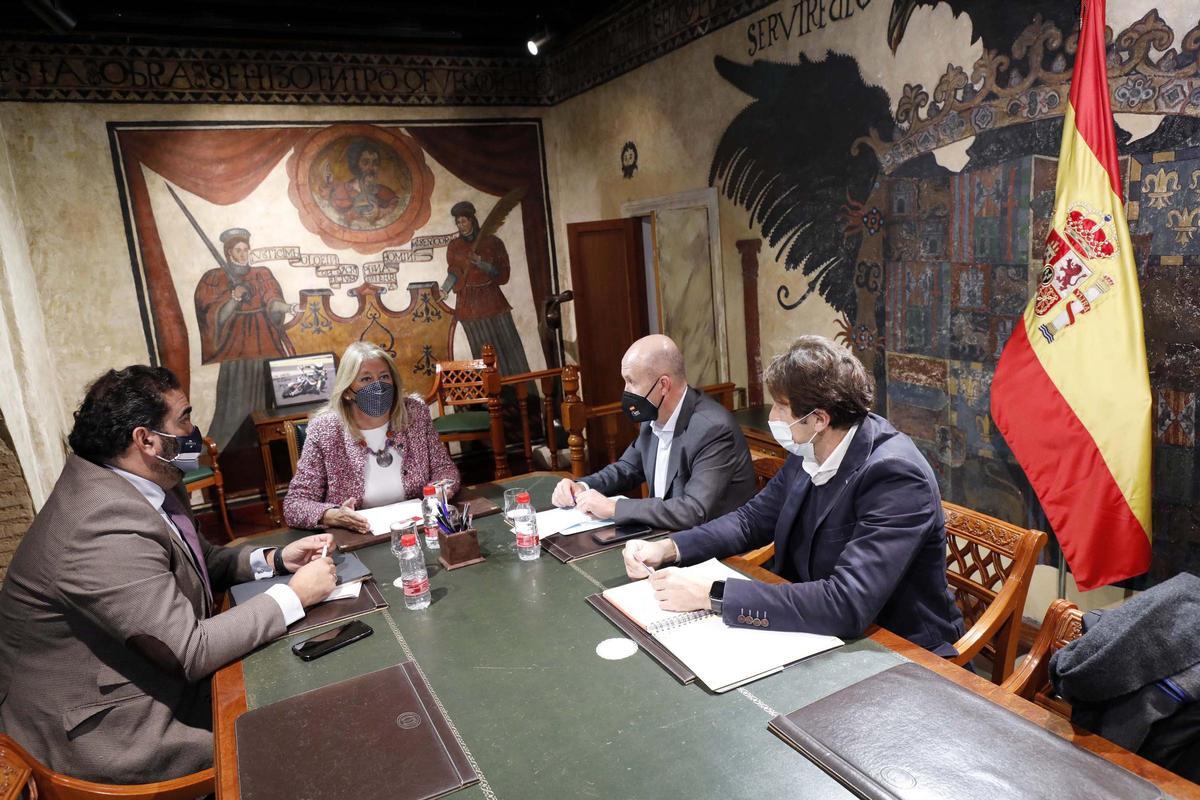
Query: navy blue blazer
point(877, 553)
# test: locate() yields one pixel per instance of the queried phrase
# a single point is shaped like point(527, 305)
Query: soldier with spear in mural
point(240, 312)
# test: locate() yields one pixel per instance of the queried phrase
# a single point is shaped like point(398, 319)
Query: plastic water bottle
point(429, 505)
point(525, 525)
point(413, 577)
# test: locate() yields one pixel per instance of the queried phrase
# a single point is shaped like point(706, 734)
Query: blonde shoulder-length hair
point(347, 371)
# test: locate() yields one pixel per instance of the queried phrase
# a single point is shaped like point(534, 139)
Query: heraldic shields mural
point(256, 242)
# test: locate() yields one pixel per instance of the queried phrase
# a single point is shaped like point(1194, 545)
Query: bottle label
point(527, 539)
point(415, 588)
point(431, 531)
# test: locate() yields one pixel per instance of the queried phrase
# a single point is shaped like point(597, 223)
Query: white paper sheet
point(382, 517)
point(566, 521)
point(345, 591)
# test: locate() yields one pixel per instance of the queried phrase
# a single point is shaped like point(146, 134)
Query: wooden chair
point(546, 379)
point(50, 785)
point(295, 432)
point(208, 476)
point(989, 564)
point(460, 384)
point(1031, 679)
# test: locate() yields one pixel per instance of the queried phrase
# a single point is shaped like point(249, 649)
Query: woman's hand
point(344, 517)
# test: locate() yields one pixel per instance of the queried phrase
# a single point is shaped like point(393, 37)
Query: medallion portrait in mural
point(360, 186)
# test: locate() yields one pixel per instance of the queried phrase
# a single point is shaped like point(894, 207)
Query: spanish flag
point(1071, 393)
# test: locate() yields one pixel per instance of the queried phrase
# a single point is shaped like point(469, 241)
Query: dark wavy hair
point(116, 403)
point(816, 372)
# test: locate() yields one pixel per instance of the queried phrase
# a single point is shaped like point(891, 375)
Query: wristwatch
point(716, 596)
point(280, 567)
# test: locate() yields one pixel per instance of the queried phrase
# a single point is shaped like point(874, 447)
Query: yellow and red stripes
point(1076, 409)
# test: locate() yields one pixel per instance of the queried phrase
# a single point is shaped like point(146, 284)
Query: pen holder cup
point(460, 549)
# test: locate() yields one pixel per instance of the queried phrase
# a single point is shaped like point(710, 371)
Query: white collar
point(150, 490)
point(829, 467)
point(669, 426)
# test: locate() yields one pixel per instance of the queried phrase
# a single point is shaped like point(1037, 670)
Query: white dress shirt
point(829, 467)
point(665, 434)
point(382, 485)
point(283, 595)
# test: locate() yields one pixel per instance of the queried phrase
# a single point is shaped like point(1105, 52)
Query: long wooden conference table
point(508, 649)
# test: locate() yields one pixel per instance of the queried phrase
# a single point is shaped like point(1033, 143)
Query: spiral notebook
point(721, 656)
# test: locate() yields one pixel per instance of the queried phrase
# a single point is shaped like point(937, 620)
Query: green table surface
point(508, 648)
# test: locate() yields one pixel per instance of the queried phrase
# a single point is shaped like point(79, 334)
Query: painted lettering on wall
point(804, 17)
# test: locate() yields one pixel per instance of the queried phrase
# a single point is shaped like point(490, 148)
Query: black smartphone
point(330, 640)
point(620, 533)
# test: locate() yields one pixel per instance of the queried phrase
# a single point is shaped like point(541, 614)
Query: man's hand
point(302, 551)
point(639, 553)
point(313, 582)
point(595, 504)
point(675, 591)
point(344, 517)
point(565, 493)
point(240, 292)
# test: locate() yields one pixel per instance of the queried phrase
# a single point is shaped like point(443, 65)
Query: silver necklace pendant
point(384, 457)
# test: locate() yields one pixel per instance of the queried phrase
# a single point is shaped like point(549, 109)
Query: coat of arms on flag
point(1087, 236)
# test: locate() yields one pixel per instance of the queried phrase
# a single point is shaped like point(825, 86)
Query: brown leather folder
point(368, 600)
point(379, 736)
point(480, 505)
point(908, 733)
point(645, 641)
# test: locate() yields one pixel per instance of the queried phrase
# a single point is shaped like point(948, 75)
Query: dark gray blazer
point(709, 472)
point(106, 638)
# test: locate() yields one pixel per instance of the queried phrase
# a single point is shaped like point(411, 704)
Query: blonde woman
point(368, 447)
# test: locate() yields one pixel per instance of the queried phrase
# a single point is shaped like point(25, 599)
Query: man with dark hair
point(108, 630)
point(855, 516)
point(362, 201)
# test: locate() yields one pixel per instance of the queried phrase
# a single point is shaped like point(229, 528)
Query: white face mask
point(782, 431)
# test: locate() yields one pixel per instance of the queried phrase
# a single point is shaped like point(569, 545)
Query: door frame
point(708, 199)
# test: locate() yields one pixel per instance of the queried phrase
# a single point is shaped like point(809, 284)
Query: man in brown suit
point(108, 634)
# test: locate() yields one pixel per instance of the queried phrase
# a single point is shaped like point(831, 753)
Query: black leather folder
point(379, 736)
point(908, 734)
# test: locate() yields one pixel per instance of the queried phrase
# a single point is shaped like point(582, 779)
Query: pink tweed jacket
point(332, 465)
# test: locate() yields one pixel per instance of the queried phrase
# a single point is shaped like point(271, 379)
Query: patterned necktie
point(183, 522)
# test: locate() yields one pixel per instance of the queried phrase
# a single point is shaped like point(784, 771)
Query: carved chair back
point(989, 564)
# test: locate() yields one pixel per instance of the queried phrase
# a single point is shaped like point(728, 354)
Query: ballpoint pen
point(649, 569)
point(443, 526)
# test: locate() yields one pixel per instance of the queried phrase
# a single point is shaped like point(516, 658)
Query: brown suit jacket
point(106, 639)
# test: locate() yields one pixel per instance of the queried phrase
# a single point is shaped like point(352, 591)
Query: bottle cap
point(523, 497)
point(408, 540)
point(429, 491)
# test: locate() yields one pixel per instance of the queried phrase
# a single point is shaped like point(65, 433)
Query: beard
point(168, 475)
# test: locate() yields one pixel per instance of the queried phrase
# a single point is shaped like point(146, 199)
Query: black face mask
point(638, 407)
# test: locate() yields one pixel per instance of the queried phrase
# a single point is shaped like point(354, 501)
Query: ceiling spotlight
point(536, 42)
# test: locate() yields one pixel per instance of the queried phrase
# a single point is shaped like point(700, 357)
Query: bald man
point(689, 450)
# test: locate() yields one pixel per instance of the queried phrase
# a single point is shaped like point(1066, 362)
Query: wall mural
point(257, 242)
point(930, 268)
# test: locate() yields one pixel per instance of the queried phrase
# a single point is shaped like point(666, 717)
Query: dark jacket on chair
point(1134, 676)
point(708, 473)
point(869, 546)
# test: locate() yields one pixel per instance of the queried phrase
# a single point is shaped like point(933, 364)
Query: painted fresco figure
point(476, 274)
point(362, 201)
point(240, 311)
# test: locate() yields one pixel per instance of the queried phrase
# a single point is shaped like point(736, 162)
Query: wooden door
point(609, 281)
